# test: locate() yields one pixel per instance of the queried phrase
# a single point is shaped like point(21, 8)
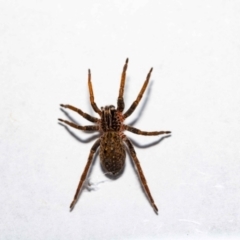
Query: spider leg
point(140, 172)
point(94, 105)
point(85, 172)
point(85, 128)
point(139, 132)
point(139, 97)
point(120, 101)
point(79, 111)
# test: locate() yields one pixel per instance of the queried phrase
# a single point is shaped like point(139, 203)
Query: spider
point(112, 141)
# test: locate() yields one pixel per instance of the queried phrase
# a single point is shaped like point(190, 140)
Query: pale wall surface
point(46, 48)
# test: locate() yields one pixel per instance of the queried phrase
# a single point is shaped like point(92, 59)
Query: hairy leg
point(136, 102)
point(139, 132)
point(79, 111)
point(140, 172)
point(120, 101)
point(85, 128)
point(85, 172)
point(94, 105)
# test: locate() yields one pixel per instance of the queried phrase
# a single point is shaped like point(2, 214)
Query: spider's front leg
point(140, 172)
point(79, 111)
point(94, 105)
point(85, 128)
point(120, 101)
point(139, 97)
point(85, 172)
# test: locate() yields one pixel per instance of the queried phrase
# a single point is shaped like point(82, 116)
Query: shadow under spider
point(135, 143)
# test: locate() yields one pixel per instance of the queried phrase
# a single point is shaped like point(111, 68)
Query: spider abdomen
point(112, 152)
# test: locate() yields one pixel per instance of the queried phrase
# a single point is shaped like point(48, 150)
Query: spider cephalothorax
point(113, 141)
point(110, 119)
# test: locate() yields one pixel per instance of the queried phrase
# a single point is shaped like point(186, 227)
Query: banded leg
point(79, 111)
point(85, 172)
point(94, 105)
point(120, 101)
point(140, 172)
point(139, 132)
point(135, 103)
point(85, 128)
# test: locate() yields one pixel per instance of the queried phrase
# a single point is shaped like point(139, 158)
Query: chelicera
point(113, 141)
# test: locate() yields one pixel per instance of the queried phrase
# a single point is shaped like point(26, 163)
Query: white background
point(46, 48)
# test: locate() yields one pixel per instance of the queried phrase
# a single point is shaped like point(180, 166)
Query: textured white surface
point(46, 48)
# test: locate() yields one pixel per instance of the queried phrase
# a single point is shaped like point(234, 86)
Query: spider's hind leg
point(140, 172)
point(85, 172)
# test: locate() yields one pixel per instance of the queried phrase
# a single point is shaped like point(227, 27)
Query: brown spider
point(112, 141)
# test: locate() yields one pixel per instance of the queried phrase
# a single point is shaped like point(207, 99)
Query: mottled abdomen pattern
point(112, 152)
